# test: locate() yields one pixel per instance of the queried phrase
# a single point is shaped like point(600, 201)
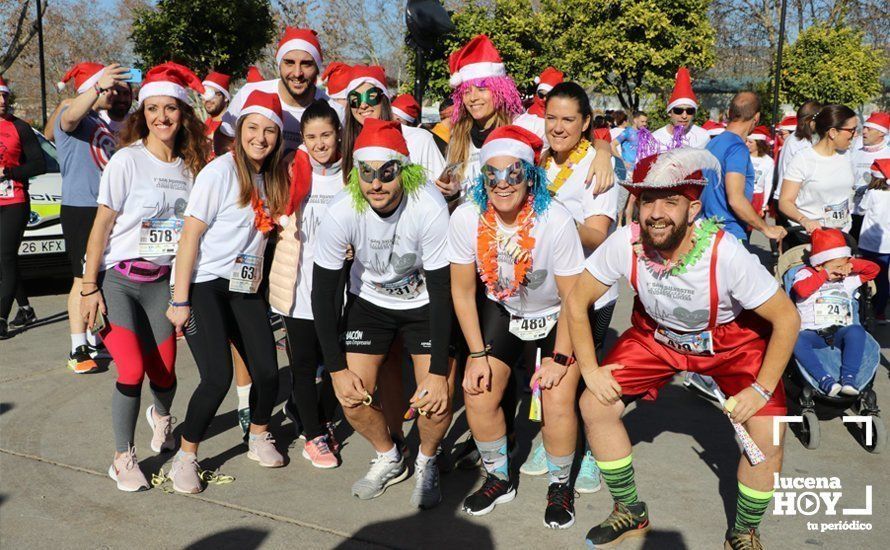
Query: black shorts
point(504, 344)
point(370, 329)
point(77, 222)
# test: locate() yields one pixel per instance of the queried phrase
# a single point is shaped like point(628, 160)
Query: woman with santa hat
point(759, 146)
point(126, 279)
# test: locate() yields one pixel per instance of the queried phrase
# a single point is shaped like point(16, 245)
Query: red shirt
point(10, 156)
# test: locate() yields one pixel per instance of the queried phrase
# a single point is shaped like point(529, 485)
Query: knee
point(593, 412)
point(559, 411)
point(129, 390)
point(483, 403)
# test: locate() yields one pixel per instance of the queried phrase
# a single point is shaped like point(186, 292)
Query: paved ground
point(56, 442)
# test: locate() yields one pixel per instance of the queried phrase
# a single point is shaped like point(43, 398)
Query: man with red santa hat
point(681, 131)
point(406, 110)
point(216, 100)
point(873, 147)
point(533, 119)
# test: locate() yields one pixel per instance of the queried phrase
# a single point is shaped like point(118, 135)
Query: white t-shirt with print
point(841, 293)
point(682, 302)
point(139, 186)
point(763, 175)
point(390, 252)
point(696, 137)
point(790, 148)
point(862, 161)
point(422, 150)
point(231, 229)
point(875, 233)
point(825, 183)
point(557, 252)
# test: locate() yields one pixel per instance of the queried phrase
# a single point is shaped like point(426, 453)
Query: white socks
point(392, 455)
point(78, 340)
point(422, 459)
point(243, 396)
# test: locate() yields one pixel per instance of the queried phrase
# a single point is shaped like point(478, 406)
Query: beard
point(672, 240)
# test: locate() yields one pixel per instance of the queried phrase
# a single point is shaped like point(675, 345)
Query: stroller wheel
point(810, 435)
point(878, 436)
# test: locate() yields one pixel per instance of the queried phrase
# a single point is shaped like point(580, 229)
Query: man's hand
point(435, 400)
point(774, 232)
point(477, 378)
point(603, 385)
point(112, 74)
point(747, 403)
point(550, 374)
point(601, 170)
point(348, 388)
point(810, 225)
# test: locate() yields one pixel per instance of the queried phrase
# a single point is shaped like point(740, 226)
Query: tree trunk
point(20, 38)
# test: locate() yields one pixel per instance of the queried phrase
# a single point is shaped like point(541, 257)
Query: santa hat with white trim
point(549, 78)
point(217, 81)
point(336, 77)
point(682, 94)
point(266, 104)
point(880, 169)
point(477, 59)
point(680, 169)
point(84, 74)
point(713, 128)
point(760, 133)
point(788, 123)
point(4, 88)
point(374, 75)
point(406, 107)
point(828, 244)
point(512, 141)
point(879, 121)
point(253, 75)
point(170, 79)
point(299, 39)
point(380, 140)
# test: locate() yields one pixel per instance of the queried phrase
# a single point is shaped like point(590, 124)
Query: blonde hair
point(459, 144)
point(275, 182)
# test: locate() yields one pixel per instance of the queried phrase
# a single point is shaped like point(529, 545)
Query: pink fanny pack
point(141, 271)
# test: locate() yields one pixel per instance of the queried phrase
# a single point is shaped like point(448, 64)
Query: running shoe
point(262, 449)
point(185, 473)
point(493, 492)
point(588, 480)
point(80, 361)
point(536, 465)
point(427, 493)
point(4, 329)
point(743, 540)
point(125, 471)
point(244, 420)
point(623, 523)
point(560, 512)
point(383, 473)
point(319, 453)
point(162, 426)
point(849, 389)
point(24, 316)
point(97, 349)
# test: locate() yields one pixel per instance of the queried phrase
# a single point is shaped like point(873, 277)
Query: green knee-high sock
point(619, 477)
point(750, 507)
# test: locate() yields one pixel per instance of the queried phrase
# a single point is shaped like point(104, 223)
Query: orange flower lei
point(262, 220)
point(488, 244)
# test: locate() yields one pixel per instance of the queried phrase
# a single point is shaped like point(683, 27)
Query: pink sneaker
point(125, 471)
point(319, 453)
point(162, 426)
point(262, 449)
point(185, 474)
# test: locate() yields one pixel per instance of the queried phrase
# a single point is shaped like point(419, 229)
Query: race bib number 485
point(533, 328)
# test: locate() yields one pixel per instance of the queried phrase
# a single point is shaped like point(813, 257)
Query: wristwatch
point(564, 360)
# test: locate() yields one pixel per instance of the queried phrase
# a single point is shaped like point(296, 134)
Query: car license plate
point(47, 246)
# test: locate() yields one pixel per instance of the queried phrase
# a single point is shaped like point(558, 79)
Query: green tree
point(226, 36)
point(832, 65)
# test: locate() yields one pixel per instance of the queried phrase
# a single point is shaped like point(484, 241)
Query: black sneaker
point(742, 540)
point(493, 492)
point(4, 330)
point(24, 316)
point(560, 513)
point(80, 361)
point(624, 522)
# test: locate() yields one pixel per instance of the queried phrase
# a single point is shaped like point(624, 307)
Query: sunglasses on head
point(386, 173)
point(541, 94)
point(513, 174)
point(370, 97)
point(680, 110)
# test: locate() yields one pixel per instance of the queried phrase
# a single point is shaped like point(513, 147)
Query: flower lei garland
point(488, 244)
point(701, 240)
point(262, 220)
point(577, 155)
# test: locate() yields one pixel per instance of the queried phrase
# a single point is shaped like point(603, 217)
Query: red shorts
point(738, 354)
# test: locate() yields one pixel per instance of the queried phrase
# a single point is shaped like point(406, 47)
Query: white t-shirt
point(696, 137)
point(472, 169)
point(422, 150)
point(838, 292)
point(534, 124)
point(230, 227)
point(763, 175)
point(875, 233)
point(790, 148)
point(682, 302)
point(139, 186)
point(390, 252)
point(557, 252)
point(826, 185)
point(291, 115)
point(862, 161)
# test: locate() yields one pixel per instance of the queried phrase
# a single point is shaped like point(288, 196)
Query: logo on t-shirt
point(101, 145)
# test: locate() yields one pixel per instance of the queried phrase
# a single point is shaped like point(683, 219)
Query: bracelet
point(765, 393)
point(180, 304)
point(90, 293)
point(478, 354)
point(99, 89)
point(89, 283)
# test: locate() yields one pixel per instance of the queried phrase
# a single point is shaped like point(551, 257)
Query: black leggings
point(13, 220)
point(218, 317)
point(316, 404)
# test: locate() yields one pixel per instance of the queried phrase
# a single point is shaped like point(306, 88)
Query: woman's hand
point(179, 316)
point(550, 374)
point(477, 378)
point(601, 170)
point(89, 306)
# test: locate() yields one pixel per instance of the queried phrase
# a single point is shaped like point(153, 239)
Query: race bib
point(533, 328)
point(405, 288)
point(833, 310)
point(7, 189)
point(836, 215)
point(159, 236)
point(688, 343)
point(247, 274)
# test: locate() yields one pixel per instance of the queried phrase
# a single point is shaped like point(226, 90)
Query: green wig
point(413, 178)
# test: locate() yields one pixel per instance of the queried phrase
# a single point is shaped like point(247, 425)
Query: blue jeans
point(850, 340)
point(883, 260)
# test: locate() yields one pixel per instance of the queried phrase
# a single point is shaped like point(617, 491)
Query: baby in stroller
point(824, 293)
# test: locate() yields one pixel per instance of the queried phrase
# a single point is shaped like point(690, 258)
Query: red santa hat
point(477, 59)
point(4, 88)
point(406, 107)
point(680, 169)
point(266, 104)
point(217, 81)
point(713, 128)
point(84, 74)
point(380, 140)
point(299, 39)
point(254, 75)
point(879, 121)
point(512, 141)
point(827, 245)
point(788, 123)
point(760, 133)
point(336, 77)
point(374, 75)
point(548, 79)
point(170, 79)
point(881, 169)
point(682, 94)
